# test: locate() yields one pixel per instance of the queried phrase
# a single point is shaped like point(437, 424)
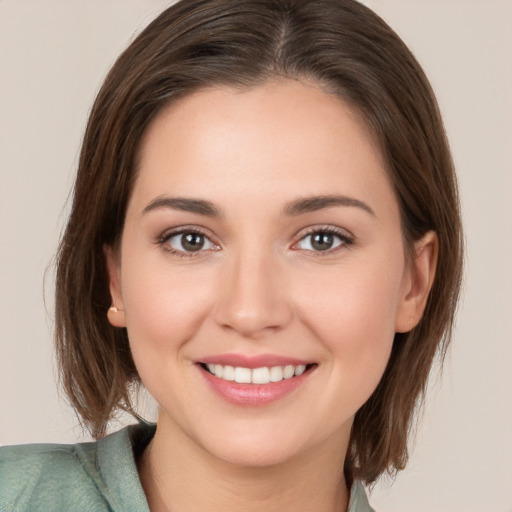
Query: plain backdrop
point(53, 56)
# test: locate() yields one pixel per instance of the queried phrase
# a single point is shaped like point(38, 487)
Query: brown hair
point(341, 45)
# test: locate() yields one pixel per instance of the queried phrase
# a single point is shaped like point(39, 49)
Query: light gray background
point(53, 56)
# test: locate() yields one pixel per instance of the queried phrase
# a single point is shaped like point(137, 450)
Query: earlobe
point(417, 282)
point(115, 313)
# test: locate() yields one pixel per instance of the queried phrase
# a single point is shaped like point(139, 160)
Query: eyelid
point(162, 240)
point(345, 236)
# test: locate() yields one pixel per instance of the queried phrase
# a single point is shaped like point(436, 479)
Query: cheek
point(352, 312)
point(163, 307)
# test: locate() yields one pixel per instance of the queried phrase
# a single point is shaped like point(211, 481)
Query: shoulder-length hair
point(348, 50)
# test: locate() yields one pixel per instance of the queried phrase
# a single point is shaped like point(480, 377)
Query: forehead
point(286, 133)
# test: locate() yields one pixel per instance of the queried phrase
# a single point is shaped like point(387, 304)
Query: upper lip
point(254, 361)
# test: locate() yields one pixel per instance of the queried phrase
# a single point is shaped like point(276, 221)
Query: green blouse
point(88, 477)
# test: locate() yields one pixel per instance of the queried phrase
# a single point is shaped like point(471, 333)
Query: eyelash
point(346, 240)
point(163, 240)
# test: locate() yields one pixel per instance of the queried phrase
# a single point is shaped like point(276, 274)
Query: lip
point(253, 395)
point(257, 361)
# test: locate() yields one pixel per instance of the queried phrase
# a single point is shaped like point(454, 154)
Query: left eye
point(320, 241)
point(190, 242)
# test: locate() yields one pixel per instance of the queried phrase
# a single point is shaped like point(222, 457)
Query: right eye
point(321, 241)
point(188, 242)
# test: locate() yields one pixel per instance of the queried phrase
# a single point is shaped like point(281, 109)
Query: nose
point(252, 297)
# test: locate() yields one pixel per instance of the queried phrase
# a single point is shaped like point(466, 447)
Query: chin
point(269, 444)
point(242, 455)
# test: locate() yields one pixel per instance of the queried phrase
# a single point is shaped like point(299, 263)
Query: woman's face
point(262, 240)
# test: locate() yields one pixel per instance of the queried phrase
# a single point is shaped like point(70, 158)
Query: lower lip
point(253, 394)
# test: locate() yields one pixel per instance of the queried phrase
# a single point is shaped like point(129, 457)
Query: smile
point(254, 380)
point(263, 375)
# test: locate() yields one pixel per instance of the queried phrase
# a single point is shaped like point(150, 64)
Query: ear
point(418, 278)
point(115, 313)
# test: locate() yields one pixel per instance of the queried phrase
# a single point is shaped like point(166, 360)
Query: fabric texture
point(92, 477)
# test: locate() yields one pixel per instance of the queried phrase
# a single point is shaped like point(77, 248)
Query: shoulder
point(39, 477)
point(358, 499)
point(85, 476)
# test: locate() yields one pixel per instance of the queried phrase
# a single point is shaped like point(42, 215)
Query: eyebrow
point(294, 208)
point(184, 204)
point(314, 203)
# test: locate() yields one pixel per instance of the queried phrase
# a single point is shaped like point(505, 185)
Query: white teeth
point(219, 370)
point(276, 374)
point(299, 370)
point(242, 375)
point(288, 371)
point(228, 373)
point(262, 375)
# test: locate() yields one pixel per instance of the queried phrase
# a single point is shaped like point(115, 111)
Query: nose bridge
point(251, 300)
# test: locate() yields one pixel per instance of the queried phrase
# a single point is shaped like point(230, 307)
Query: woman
point(265, 233)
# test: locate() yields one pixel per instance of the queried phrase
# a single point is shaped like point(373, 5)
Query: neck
point(179, 476)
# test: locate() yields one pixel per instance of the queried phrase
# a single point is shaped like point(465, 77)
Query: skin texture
point(259, 287)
